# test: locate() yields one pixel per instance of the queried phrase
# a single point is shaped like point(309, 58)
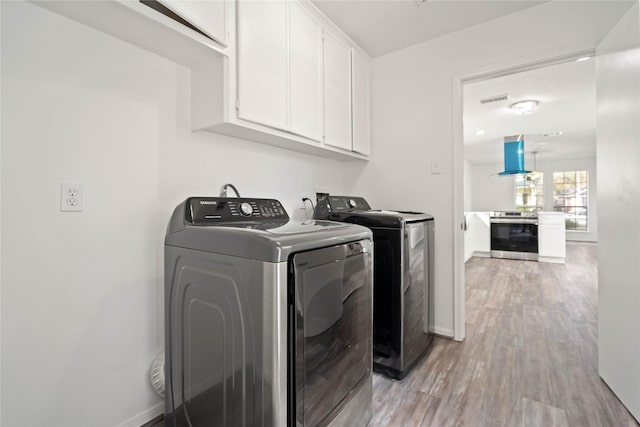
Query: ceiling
point(567, 103)
point(383, 26)
point(566, 91)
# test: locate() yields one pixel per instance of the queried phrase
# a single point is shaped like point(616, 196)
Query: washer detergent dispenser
point(403, 279)
point(268, 321)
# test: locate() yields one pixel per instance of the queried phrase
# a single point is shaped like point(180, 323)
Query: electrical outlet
point(70, 197)
point(301, 203)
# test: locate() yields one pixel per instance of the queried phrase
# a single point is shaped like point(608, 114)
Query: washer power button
point(246, 209)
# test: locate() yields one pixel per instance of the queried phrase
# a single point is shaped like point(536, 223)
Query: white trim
point(144, 417)
point(552, 259)
point(458, 211)
point(481, 254)
point(448, 333)
point(531, 62)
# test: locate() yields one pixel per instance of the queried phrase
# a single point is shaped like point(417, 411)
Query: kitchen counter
point(551, 236)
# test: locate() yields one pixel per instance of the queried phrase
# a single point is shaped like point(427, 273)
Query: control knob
point(246, 209)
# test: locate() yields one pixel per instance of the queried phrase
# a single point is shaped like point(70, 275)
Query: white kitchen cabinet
point(305, 73)
point(552, 244)
point(209, 17)
point(337, 92)
point(360, 101)
point(262, 62)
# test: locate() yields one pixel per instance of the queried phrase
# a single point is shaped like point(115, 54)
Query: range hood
point(514, 155)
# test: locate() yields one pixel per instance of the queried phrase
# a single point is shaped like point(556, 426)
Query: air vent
point(495, 98)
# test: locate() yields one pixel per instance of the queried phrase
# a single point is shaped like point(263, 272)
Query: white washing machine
point(268, 321)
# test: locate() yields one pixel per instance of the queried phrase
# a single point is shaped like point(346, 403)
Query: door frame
point(517, 65)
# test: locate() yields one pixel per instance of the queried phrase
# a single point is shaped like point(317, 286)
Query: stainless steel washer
point(403, 279)
point(268, 320)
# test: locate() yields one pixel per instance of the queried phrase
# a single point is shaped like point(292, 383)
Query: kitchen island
point(551, 236)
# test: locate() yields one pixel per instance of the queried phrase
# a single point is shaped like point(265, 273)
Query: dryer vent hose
point(157, 374)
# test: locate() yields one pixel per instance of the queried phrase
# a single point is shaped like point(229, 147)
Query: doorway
point(488, 147)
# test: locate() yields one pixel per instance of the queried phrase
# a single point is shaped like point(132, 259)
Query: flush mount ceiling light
point(480, 132)
point(584, 58)
point(524, 107)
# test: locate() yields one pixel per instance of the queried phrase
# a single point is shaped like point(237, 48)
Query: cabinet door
point(262, 62)
point(360, 82)
point(337, 92)
point(207, 16)
point(551, 236)
point(305, 65)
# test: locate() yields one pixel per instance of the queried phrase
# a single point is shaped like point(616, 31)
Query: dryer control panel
point(215, 210)
point(333, 204)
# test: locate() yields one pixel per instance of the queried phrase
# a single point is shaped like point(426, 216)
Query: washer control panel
point(213, 210)
point(342, 203)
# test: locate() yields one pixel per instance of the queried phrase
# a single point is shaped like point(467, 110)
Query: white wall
point(618, 151)
point(491, 192)
point(82, 293)
point(412, 122)
point(496, 193)
point(468, 185)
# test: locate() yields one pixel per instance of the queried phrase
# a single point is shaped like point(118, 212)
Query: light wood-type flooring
point(530, 356)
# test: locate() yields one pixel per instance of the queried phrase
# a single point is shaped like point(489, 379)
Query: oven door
point(332, 302)
point(514, 238)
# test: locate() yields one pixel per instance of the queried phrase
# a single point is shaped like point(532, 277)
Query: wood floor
point(529, 359)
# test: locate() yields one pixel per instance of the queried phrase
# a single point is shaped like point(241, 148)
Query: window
point(571, 196)
point(529, 197)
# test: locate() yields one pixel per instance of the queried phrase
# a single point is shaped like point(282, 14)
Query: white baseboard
point(144, 417)
point(441, 331)
point(482, 254)
point(557, 260)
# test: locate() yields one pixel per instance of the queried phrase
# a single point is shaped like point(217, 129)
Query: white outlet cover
point(71, 195)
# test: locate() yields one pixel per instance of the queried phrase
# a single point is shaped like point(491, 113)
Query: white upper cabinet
point(262, 62)
point(337, 92)
point(273, 71)
point(360, 86)
point(305, 73)
point(288, 80)
point(209, 17)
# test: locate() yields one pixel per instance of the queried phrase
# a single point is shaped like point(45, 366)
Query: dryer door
point(332, 328)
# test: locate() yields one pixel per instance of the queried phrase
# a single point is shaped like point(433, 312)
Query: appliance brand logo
point(208, 202)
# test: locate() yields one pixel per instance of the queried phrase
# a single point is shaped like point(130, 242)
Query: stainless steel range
point(514, 235)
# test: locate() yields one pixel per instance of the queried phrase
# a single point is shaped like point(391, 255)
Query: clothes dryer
point(268, 321)
point(403, 279)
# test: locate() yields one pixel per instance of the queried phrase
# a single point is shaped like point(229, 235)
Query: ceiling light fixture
point(480, 132)
point(524, 107)
point(584, 58)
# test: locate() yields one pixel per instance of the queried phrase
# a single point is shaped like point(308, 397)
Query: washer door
point(332, 328)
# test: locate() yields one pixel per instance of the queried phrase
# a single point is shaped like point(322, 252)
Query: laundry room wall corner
point(82, 292)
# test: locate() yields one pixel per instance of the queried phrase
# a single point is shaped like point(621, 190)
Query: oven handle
point(513, 221)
